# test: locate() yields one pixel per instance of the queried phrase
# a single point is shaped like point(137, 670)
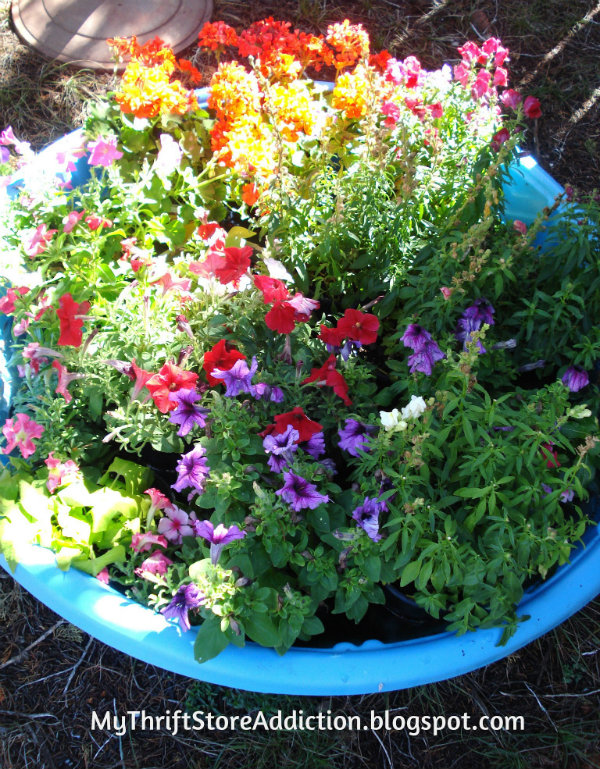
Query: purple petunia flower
point(187, 414)
point(281, 447)
point(238, 379)
point(575, 378)
point(264, 391)
point(425, 358)
point(354, 436)
point(416, 337)
point(192, 471)
point(315, 445)
point(218, 536)
point(299, 493)
point(481, 311)
point(367, 517)
point(565, 496)
point(186, 598)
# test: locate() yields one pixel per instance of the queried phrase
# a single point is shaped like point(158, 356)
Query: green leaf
point(410, 573)
point(108, 503)
point(210, 641)
point(137, 478)
point(262, 629)
point(94, 566)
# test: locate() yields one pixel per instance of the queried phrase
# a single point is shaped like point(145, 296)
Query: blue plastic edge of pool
point(371, 667)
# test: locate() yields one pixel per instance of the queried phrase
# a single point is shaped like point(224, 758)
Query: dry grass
point(47, 696)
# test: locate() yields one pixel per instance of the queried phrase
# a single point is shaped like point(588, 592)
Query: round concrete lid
point(76, 30)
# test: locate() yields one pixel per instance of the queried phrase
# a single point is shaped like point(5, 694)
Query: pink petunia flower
point(71, 219)
point(94, 221)
point(58, 471)
point(64, 380)
point(104, 152)
point(20, 432)
point(155, 565)
point(141, 543)
point(35, 241)
point(175, 525)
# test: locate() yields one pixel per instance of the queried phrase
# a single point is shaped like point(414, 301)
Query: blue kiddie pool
point(345, 668)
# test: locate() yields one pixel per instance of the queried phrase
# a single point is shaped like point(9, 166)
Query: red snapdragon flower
point(532, 107)
point(221, 357)
point(71, 324)
point(327, 375)
point(169, 379)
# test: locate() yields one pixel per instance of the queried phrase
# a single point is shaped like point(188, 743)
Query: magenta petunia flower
point(299, 493)
point(103, 152)
point(187, 414)
point(20, 432)
point(186, 598)
point(192, 471)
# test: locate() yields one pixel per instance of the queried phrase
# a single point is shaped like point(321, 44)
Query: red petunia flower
point(7, 303)
point(359, 326)
point(327, 375)
point(332, 336)
point(169, 379)
point(237, 263)
point(222, 357)
point(550, 455)
point(299, 421)
point(273, 290)
point(281, 318)
point(70, 324)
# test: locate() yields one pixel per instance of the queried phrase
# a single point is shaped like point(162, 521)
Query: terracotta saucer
point(76, 30)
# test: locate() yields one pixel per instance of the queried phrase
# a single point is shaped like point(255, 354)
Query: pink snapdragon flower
point(104, 152)
point(20, 432)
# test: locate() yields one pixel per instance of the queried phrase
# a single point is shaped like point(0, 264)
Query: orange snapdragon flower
point(350, 94)
point(349, 41)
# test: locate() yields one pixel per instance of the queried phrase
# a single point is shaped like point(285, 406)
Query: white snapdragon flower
point(391, 420)
point(415, 408)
